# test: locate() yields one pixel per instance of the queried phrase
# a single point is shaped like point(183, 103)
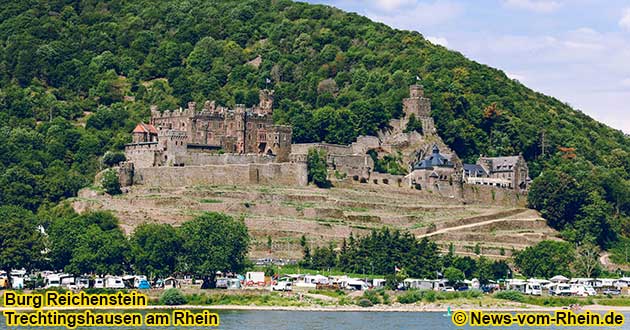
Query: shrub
point(510, 295)
point(372, 297)
point(172, 297)
point(365, 303)
point(386, 298)
point(429, 296)
point(317, 168)
point(113, 158)
point(110, 182)
point(410, 297)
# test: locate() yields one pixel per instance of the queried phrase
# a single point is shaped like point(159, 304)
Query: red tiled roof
point(140, 129)
point(145, 128)
point(151, 129)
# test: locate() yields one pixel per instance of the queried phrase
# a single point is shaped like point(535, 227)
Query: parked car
point(613, 292)
point(448, 289)
point(282, 286)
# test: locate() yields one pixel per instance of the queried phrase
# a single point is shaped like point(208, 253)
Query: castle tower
point(417, 103)
point(266, 101)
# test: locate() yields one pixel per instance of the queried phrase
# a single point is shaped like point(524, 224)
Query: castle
point(219, 145)
point(182, 137)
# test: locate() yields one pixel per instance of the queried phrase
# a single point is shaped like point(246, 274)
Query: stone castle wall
point(486, 195)
point(289, 174)
point(142, 155)
point(201, 159)
point(302, 148)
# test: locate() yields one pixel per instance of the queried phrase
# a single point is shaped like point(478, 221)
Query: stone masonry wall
point(478, 194)
point(200, 159)
point(290, 174)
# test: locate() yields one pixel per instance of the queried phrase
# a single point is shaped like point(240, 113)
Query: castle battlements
point(181, 132)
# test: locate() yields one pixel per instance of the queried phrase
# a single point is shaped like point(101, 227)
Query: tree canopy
point(214, 242)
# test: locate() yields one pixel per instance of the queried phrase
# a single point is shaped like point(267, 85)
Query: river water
point(283, 320)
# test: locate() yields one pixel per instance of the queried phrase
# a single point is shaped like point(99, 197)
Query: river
point(284, 320)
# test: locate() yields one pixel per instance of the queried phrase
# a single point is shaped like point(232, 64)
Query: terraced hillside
point(287, 213)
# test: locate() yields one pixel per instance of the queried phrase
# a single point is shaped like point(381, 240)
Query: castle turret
point(266, 101)
point(417, 104)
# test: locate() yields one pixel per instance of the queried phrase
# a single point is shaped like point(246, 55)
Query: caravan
point(560, 289)
point(533, 288)
point(52, 281)
point(114, 282)
point(582, 290)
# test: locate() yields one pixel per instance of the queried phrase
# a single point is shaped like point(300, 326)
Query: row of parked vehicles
point(47, 279)
point(581, 287)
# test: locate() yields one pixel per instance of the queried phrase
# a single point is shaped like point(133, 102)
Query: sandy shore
point(411, 308)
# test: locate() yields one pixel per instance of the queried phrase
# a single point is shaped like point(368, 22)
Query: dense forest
point(75, 76)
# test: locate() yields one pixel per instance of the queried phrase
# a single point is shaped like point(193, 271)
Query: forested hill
point(77, 75)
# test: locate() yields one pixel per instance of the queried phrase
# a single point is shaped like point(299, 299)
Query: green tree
point(112, 158)
point(21, 242)
point(558, 196)
point(100, 251)
point(454, 275)
point(155, 249)
point(213, 242)
point(90, 242)
point(485, 272)
point(413, 125)
point(546, 259)
point(317, 168)
point(110, 182)
point(587, 260)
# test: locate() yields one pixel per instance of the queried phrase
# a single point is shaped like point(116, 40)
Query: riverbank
point(355, 301)
point(398, 308)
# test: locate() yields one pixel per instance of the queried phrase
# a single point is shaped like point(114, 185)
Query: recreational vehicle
point(114, 282)
point(99, 283)
point(52, 281)
point(282, 286)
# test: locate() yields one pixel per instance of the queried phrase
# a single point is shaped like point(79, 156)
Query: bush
point(386, 298)
point(113, 158)
point(317, 168)
point(365, 303)
point(110, 182)
point(172, 297)
point(429, 296)
point(410, 297)
point(372, 297)
point(510, 295)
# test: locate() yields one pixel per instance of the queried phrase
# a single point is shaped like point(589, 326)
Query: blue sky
point(575, 50)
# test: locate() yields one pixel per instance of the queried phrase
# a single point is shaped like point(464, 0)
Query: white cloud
point(625, 82)
point(419, 14)
point(438, 41)
point(625, 19)
point(540, 6)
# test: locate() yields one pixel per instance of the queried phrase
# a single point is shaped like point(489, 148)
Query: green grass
point(356, 209)
point(613, 301)
point(414, 296)
point(299, 206)
point(329, 293)
point(243, 298)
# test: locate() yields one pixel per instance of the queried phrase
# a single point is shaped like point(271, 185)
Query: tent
point(559, 279)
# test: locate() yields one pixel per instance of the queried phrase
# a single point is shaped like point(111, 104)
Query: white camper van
point(99, 283)
point(52, 281)
point(114, 282)
point(533, 288)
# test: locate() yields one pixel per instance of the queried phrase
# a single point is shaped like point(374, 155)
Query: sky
point(575, 50)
